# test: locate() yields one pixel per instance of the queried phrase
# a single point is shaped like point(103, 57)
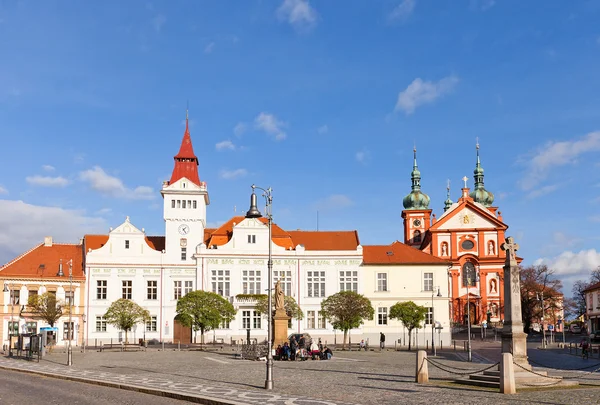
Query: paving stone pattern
point(370, 378)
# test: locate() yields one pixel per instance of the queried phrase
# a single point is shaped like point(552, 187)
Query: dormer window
point(126, 244)
point(251, 238)
point(178, 203)
point(183, 204)
point(195, 206)
point(182, 185)
point(172, 203)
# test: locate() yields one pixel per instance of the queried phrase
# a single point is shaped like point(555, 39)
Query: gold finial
point(477, 143)
point(448, 186)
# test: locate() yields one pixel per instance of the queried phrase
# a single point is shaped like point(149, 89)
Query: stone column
point(280, 327)
point(513, 337)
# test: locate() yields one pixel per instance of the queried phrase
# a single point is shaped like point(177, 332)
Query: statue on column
point(279, 297)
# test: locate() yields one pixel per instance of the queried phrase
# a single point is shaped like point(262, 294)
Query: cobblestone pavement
point(370, 378)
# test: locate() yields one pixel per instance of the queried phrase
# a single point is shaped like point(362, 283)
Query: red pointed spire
point(186, 162)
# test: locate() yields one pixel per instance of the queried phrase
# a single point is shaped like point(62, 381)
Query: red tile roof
point(97, 241)
point(398, 253)
point(594, 286)
point(186, 162)
point(42, 262)
point(312, 240)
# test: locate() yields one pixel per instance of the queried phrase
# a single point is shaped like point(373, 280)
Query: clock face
point(417, 223)
point(184, 229)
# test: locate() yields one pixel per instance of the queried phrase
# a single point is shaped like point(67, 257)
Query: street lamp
point(439, 294)
point(71, 297)
point(253, 212)
point(12, 307)
point(471, 279)
point(543, 329)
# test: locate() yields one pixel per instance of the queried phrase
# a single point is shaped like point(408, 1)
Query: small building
point(592, 308)
point(44, 268)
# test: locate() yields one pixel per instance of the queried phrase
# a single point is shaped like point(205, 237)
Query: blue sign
point(559, 321)
point(550, 327)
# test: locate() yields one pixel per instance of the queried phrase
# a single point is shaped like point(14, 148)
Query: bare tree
point(537, 282)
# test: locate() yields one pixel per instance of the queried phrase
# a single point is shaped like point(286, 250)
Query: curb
point(128, 387)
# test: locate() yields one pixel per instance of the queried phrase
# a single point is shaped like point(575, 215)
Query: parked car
point(574, 328)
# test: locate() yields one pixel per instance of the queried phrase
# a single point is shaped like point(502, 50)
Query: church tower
point(185, 198)
point(416, 214)
point(480, 194)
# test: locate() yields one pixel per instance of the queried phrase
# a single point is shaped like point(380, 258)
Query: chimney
point(48, 241)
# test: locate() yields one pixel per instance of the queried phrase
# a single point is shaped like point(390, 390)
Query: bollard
point(179, 346)
point(427, 344)
point(163, 345)
point(465, 346)
point(455, 345)
point(507, 375)
point(422, 372)
point(441, 345)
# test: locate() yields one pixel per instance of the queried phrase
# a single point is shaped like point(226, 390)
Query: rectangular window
point(68, 331)
point(33, 293)
point(183, 204)
point(151, 324)
point(178, 203)
point(101, 287)
point(310, 319)
point(246, 319)
point(189, 286)
point(427, 281)
point(183, 253)
point(429, 316)
point(15, 298)
point(152, 290)
point(349, 281)
point(70, 298)
point(316, 283)
point(251, 281)
point(225, 325)
point(172, 203)
point(321, 321)
point(31, 327)
point(189, 203)
point(195, 206)
point(126, 244)
point(13, 327)
point(176, 290)
point(382, 282)
point(285, 277)
point(382, 316)
point(100, 324)
point(256, 318)
point(220, 282)
point(127, 289)
point(251, 238)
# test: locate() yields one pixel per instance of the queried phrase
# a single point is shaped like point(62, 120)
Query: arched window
point(417, 236)
point(468, 274)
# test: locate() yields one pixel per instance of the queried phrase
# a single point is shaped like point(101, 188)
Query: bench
point(121, 346)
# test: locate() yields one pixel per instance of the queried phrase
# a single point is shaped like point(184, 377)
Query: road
point(20, 388)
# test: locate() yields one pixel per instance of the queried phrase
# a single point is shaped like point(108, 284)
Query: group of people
point(302, 350)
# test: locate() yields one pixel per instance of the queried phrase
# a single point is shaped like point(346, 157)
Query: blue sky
point(321, 100)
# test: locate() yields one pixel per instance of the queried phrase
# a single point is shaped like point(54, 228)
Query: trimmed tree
point(203, 311)
point(292, 309)
point(346, 310)
point(124, 314)
point(410, 314)
point(45, 307)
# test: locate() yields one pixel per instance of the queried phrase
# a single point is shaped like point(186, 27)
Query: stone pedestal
point(280, 327)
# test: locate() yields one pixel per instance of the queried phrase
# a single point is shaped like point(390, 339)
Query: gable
point(468, 215)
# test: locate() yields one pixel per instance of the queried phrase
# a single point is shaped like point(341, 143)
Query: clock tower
point(416, 214)
point(185, 200)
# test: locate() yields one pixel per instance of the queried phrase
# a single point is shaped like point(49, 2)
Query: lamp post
point(439, 294)
point(8, 287)
point(471, 278)
point(71, 296)
point(254, 213)
point(543, 329)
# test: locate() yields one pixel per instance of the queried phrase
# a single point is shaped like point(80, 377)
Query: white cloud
point(421, 92)
point(209, 48)
point(3, 190)
point(103, 211)
point(572, 265)
point(23, 226)
point(47, 181)
point(362, 156)
point(540, 191)
point(233, 174)
point(158, 22)
point(225, 145)
point(333, 202)
point(48, 168)
point(298, 13)
point(271, 125)
point(323, 129)
point(482, 5)
point(112, 186)
point(239, 129)
point(403, 10)
point(555, 154)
